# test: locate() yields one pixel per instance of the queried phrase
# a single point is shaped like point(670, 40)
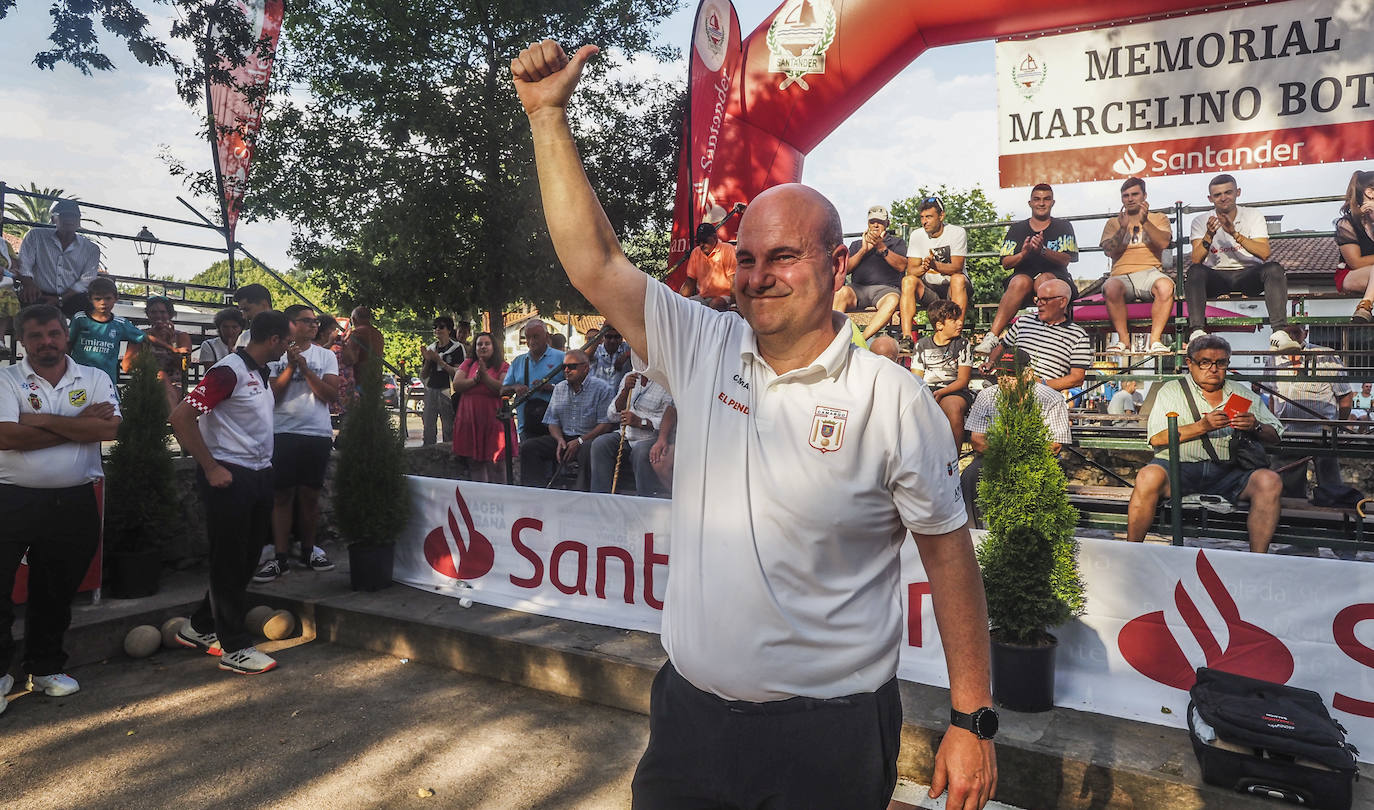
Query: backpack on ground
point(1267, 739)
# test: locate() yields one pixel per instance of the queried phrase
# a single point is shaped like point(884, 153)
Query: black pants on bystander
point(238, 521)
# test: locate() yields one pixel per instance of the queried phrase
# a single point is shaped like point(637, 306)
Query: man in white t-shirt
point(58, 264)
point(252, 300)
point(304, 382)
point(54, 413)
point(1231, 254)
point(1127, 401)
point(225, 424)
point(934, 266)
point(802, 462)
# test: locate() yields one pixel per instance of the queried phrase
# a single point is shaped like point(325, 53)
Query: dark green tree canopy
point(405, 161)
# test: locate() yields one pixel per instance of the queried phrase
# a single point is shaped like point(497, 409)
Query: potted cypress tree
point(141, 514)
point(1029, 557)
point(371, 499)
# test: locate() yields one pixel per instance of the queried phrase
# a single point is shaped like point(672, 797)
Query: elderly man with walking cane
point(638, 410)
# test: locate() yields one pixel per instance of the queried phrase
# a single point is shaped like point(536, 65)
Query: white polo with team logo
point(792, 495)
point(64, 465)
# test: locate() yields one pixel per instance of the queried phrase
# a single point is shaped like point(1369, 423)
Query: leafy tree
point(75, 41)
point(408, 168)
point(1023, 497)
point(965, 208)
point(247, 271)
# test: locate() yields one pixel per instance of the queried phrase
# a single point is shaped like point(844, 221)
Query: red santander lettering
point(1343, 629)
point(577, 585)
point(533, 580)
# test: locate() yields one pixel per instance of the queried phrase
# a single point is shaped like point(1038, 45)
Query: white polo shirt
point(792, 495)
point(70, 463)
point(236, 404)
point(55, 269)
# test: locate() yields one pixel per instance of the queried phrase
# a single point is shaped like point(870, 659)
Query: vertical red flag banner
point(715, 59)
point(236, 116)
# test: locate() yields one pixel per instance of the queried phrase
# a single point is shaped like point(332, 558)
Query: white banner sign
point(1258, 86)
point(1155, 613)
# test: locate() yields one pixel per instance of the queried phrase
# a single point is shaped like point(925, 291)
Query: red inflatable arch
point(760, 104)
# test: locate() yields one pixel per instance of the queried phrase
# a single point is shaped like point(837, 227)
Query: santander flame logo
point(1129, 163)
point(1148, 644)
point(459, 552)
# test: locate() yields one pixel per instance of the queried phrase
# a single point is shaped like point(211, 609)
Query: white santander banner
point(1252, 87)
point(1155, 613)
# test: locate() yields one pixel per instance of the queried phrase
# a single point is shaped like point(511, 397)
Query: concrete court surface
point(332, 727)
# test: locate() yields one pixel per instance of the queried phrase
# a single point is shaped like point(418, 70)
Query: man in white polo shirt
point(54, 413)
point(305, 382)
point(226, 426)
point(802, 463)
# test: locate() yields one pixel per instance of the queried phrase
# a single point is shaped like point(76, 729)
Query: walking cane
point(620, 449)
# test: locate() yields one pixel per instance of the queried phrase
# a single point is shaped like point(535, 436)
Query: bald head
point(362, 316)
point(818, 217)
point(885, 346)
point(1052, 287)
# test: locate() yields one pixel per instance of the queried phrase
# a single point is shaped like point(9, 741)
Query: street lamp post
point(145, 243)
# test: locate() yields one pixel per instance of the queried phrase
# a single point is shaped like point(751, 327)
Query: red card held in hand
point(1236, 405)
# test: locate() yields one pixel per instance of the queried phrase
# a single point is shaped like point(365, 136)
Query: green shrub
point(1023, 487)
point(1016, 576)
point(141, 510)
point(371, 499)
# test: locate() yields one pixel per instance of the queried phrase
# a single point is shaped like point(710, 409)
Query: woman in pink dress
point(477, 434)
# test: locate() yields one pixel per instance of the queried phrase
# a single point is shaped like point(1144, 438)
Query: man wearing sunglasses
point(577, 414)
point(934, 266)
point(305, 382)
point(1204, 444)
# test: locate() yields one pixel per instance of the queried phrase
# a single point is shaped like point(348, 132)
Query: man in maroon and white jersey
point(226, 426)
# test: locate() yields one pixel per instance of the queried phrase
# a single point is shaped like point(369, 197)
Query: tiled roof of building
point(1306, 254)
point(581, 323)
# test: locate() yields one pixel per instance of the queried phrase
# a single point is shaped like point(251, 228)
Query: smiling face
point(1041, 203)
point(787, 277)
point(485, 347)
point(1224, 196)
point(1052, 300)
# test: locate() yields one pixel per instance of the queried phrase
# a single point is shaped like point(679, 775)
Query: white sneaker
point(6, 684)
point(247, 661)
point(207, 643)
point(1159, 347)
point(987, 344)
point(1197, 333)
point(55, 685)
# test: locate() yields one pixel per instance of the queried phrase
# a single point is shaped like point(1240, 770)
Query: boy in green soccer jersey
point(95, 335)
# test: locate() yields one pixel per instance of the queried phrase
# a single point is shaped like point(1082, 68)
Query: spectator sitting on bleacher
point(1355, 241)
point(1203, 439)
point(57, 265)
point(886, 346)
point(1135, 241)
point(877, 263)
point(1059, 350)
point(171, 347)
point(1053, 411)
point(944, 359)
point(711, 270)
point(1035, 250)
point(934, 265)
point(229, 324)
point(95, 335)
point(1363, 405)
point(577, 414)
point(1327, 398)
point(1127, 401)
point(1231, 254)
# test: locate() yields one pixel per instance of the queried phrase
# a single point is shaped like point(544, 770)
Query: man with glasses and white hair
point(1059, 350)
point(934, 265)
point(578, 413)
point(1204, 447)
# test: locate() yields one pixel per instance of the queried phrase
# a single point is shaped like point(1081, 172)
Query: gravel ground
point(332, 727)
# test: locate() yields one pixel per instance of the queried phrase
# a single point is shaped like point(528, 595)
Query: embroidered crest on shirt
point(77, 398)
point(35, 401)
point(827, 428)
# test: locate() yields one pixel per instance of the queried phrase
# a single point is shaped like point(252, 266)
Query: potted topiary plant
point(371, 499)
point(1029, 556)
point(141, 514)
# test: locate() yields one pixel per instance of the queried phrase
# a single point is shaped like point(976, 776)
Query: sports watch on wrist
point(983, 722)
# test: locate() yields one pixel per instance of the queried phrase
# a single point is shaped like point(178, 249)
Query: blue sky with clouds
point(99, 138)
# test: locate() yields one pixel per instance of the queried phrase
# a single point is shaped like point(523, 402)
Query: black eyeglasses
point(1040, 300)
point(939, 206)
point(1208, 365)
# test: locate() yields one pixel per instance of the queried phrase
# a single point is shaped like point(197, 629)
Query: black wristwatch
point(983, 722)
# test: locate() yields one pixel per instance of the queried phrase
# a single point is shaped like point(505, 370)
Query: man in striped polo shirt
point(226, 426)
point(1059, 349)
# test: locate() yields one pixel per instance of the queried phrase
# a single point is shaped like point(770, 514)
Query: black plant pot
point(132, 574)
point(369, 567)
point(1023, 676)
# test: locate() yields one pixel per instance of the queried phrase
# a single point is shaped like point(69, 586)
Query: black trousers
point(538, 463)
point(707, 752)
point(60, 529)
point(1268, 279)
point(238, 521)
